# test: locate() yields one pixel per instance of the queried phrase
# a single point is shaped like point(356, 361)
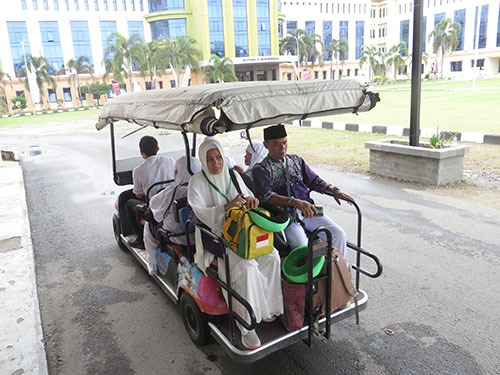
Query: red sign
point(115, 87)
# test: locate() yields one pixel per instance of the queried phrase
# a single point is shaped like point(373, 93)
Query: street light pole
point(298, 56)
point(475, 69)
point(24, 55)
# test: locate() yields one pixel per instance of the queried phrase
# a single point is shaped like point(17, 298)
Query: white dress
point(257, 280)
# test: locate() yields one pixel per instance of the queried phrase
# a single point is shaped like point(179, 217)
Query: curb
point(21, 343)
point(472, 137)
point(49, 111)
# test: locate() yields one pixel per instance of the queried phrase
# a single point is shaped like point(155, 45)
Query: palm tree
point(336, 49)
point(409, 60)
point(293, 41)
point(153, 62)
point(446, 39)
point(5, 80)
point(180, 53)
point(311, 43)
point(76, 67)
point(372, 56)
point(125, 54)
point(221, 70)
point(43, 73)
point(395, 57)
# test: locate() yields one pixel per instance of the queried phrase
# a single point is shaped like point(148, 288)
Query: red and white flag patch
point(262, 240)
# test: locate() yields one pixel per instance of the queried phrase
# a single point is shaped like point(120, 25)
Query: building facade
point(246, 31)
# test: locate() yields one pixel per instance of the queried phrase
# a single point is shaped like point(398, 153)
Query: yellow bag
point(244, 237)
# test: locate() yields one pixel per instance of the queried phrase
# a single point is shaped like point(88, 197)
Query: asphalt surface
point(455, 241)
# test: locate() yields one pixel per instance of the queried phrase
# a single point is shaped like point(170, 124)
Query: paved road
point(102, 314)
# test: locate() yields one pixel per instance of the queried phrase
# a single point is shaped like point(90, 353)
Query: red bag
point(294, 298)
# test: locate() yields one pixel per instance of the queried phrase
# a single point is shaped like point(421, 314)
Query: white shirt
point(154, 169)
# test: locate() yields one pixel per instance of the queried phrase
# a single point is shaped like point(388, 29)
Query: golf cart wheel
point(117, 231)
point(194, 320)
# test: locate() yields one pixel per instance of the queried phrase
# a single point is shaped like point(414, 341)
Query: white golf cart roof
point(240, 105)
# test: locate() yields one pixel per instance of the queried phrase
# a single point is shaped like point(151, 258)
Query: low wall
point(395, 158)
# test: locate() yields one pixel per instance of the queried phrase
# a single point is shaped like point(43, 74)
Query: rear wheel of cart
point(194, 320)
point(117, 232)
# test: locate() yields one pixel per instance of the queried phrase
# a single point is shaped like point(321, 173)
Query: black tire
point(194, 320)
point(117, 231)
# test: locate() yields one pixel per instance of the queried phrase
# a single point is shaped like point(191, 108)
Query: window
point(498, 29)
point(310, 27)
point(77, 6)
point(24, 5)
point(344, 34)
point(107, 29)
point(264, 32)
point(86, 5)
point(161, 5)
point(81, 40)
point(291, 26)
point(459, 18)
point(240, 28)
point(35, 4)
point(404, 32)
point(483, 26)
point(45, 4)
point(52, 96)
point(51, 43)
point(96, 5)
point(67, 94)
point(438, 17)
point(216, 27)
point(360, 40)
point(480, 64)
point(456, 66)
point(115, 5)
point(105, 5)
point(327, 38)
point(19, 43)
point(124, 5)
point(136, 28)
point(141, 6)
point(66, 4)
point(56, 4)
point(132, 5)
point(171, 28)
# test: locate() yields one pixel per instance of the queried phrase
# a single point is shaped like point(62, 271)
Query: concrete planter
point(395, 158)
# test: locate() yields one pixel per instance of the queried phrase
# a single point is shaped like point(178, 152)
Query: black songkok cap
point(274, 132)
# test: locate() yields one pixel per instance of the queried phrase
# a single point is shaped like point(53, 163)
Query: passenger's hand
point(252, 202)
point(338, 195)
point(237, 202)
point(239, 168)
point(308, 209)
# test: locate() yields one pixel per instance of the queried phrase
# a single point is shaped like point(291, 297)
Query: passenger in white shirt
point(154, 169)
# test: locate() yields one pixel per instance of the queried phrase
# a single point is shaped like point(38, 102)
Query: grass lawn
point(449, 105)
point(345, 150)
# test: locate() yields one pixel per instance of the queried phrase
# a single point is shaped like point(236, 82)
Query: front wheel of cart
point(194, 319)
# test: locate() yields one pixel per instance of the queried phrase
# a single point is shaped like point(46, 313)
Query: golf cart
point(209, 110)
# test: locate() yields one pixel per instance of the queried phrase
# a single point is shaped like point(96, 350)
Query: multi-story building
point(385, 23)
point(246, 31)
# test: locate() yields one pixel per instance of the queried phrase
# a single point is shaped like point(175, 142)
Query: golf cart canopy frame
point(240, 105)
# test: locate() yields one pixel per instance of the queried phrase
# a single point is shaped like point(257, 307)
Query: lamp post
point(298, 56)
point(475, 69)
point(24, 55)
